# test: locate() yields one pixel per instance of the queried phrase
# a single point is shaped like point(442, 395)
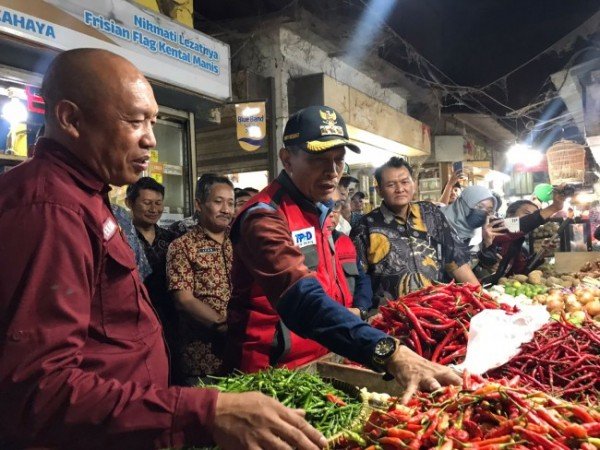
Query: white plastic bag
point(495, 336)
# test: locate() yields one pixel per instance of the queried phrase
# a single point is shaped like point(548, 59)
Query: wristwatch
point(364, 314)
point(384, 349)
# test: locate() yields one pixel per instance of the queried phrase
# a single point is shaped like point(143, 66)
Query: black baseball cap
point(316, 129)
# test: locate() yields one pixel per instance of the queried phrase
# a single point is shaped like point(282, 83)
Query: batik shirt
point(198, 263)
point(401, 256)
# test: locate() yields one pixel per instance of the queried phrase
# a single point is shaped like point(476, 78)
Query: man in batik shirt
point(198, 270)
point(403, 245)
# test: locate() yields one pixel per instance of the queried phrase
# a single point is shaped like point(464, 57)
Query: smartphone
point(512, 224)
point(456, 166)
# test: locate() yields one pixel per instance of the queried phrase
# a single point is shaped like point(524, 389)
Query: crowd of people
point(109, 320)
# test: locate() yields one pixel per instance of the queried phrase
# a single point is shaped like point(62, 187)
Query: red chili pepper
point(431, 427)
point(415, 444)
point(416, 342)
point(592, 429)
point(466, 380)
point(453, 356)
point(438, 326)
point(414, 427)
point(420, 331)
point(575, 430)
point(503, 429)
point(539, 439)
point(548, 417)
point(400, 433)
point(581, 413)
point(542, 429)
point(335, 399)
point(394, 442)
point(428, 312)
point(497, 440)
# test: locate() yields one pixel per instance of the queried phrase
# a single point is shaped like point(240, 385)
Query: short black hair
point(393, 163)
point(515, 206)
point(359, 195)
point(251, 190)
point(133, 190)
point(206, 182)
point(346, 180)
point(243, 193)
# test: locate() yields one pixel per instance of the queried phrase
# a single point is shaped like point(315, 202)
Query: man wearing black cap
point(289, 300)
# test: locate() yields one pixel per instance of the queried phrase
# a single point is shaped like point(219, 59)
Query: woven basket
point(566, 162)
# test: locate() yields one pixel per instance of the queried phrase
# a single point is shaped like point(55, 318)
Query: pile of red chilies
point(483, 416)
point(434, 321)
point(562, 359)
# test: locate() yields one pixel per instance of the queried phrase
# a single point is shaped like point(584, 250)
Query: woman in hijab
point(470, 211)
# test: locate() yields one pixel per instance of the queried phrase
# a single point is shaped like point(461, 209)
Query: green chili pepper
point(296, 389)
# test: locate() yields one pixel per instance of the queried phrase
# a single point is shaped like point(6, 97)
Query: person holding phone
point(506, 254)
point(453, 188)
point(470, 211)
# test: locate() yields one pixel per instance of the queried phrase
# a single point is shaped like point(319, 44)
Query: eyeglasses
point(489, 211)
point(337, 206)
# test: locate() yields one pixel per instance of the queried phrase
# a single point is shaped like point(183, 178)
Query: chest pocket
point(125, 311)
point(351, 273)
point(311, 256)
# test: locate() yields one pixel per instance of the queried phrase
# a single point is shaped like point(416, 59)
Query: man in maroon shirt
point(82, 359)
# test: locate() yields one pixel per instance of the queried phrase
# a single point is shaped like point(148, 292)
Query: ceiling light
point(14, 111)
point(524, 154)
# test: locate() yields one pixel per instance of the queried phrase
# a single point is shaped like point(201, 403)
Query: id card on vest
point(304, 237)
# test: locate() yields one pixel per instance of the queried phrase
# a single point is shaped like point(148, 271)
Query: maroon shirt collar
point(51, 150)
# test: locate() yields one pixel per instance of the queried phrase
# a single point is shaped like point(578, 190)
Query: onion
point(592, 308)
point(577, 317)
point(573, 306)
point(585, 297)
point(554, 296)
point(555, 304)
point(571, 298)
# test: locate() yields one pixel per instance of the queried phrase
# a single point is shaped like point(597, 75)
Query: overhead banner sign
point(251, 125)
point(160, 47)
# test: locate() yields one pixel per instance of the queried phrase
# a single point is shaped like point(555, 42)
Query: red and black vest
point(259, 338)
point(346, 252)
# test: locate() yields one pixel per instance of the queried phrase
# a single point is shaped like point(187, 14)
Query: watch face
point(385, 348)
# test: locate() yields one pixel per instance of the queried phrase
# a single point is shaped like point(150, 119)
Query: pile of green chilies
point(328, 409)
